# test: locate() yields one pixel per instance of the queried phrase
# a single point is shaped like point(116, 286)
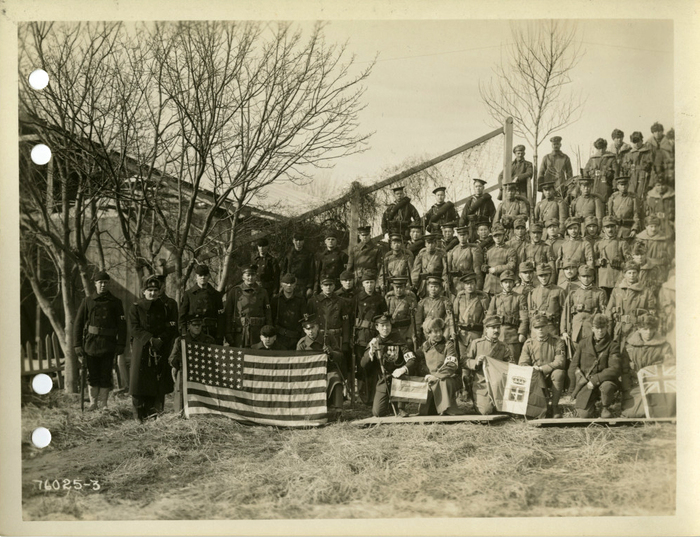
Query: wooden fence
point(46, 358)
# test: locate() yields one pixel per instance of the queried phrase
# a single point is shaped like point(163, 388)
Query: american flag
point(281, 388)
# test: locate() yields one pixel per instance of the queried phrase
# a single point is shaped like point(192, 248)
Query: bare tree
point(530, 83)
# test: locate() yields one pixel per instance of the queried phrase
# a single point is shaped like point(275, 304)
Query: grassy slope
point(214, 468)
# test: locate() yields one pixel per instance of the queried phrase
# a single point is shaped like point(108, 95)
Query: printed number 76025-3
point(55, 485)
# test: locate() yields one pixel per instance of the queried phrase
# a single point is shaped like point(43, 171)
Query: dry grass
point(214, 468)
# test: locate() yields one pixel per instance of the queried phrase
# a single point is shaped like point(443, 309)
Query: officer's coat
point(626, 209)
point(638, 164)
point(205, 301)
point(614, 251)
point(547, 300)
point(247, 308)
point(512, 310)
point(602, 169)
point(581, 305)
point(302, 265)
point(105, 314)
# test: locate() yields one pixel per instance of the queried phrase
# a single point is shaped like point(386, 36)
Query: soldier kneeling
point(440, 367)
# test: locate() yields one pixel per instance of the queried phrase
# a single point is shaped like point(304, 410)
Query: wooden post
point(507, 151)
point(355, 200)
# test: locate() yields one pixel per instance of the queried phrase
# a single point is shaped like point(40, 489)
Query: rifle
point(83, 382)
point(385, 274)
point(340, 372)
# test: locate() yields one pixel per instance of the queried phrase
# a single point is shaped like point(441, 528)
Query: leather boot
point(606, 413)
point(93, 392)
point(104, 397)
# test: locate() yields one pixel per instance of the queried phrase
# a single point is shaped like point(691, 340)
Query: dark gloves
point(156, 343)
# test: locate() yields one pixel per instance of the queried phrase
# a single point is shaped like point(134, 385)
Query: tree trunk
point(535, 185)
point(227, 267)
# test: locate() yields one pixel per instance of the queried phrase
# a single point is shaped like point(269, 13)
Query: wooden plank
point(585, 422)
point(49, 352)
point(40, 352)
point(57, 357)
point(30, 357)
point(429, 419)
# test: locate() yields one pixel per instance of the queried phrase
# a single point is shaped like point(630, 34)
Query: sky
point(423, 93)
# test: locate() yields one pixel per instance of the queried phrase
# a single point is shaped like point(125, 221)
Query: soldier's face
point(414, 234)
point(543, 278)
point(311, 330)
point(573, 231)
point(369, 286)
point(548, 192)
point(498, 238)
point(585, 188)
point(447, 233)
point(479, 188)
point(298, 244)
point(395, 245)
point(552, 231)
point(609, 231)
point(268, 341)
point(617, 142)
point(507, 285)
point(195, 327)
point(647, 333)
point(364, 238)
point(600, 332)
point(202, 280)
point(101, 286)
point(570, 272)
point(398, 194)
point(399, 290)
point(652, 229)
point(435, 335)
point(592, 230)
point(433, 289)
point(586, 280)
point(540, 332)
point(288, 288)
point(527, 276)
point(262, 250)
point(536, 236)
point(482, 232)
point(440, 196)
point(492, 332)
point(622, 187)
point(510, 193)
point(661, 188)
point(470, 286)
point(430, 246)
point(638, 258)
point(248, 278)
point(658, 135)
point(331, 242)
point(520, 231)
point(346, 284)
point(632, 276)
point(327, 288)
point(463, 239)
point(151, 293)
point(556, 146)
point(520, 154)
point(384, 329)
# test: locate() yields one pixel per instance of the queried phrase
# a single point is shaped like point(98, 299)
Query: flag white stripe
point(250, 357)
point(282, 373)
point(261, 421)
point(215, 390)
point(264, 384)
point(234, 406)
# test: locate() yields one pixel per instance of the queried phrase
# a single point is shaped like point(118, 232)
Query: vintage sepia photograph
point(346, 269)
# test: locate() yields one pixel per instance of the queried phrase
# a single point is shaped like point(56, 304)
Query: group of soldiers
point(581, 287)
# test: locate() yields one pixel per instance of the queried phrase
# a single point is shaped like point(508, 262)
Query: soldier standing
point(430, 260)
point(246, 311)
point(483, 237)
point(519, 241)
point(546, 353)
point(628, 302)
point(333, 314)
point(402, 304)
point(397, 262)
point(661, 202)
point(654, 144)
point(300, 263)
point(556, 166)
point(471, 306)
point(99, 333)
point(538, 251)
point(288, 310)
point(202, 299)
point(665, 161)
point(619, 149)
point(347, 285)
point(478, 208)
point(464, 258)
point(551, 207)
point(528, 282)
point(400, 214)
point(659, 247)
point(332, 261)
point(547, 300)
point(512, 310)
point(520, 173)
point(415, 243)
point(432, 306)
point(574, 248)
point(637, 164)
point(268, 268)
point(367, 305)
point(365, 255)
point(587, 204)
point(601, 168)
point(581, 306)
point(625, 207)
point(448, 240)
point(497, 259)
point(511, 208)
point(440, 213)
point(610, 253)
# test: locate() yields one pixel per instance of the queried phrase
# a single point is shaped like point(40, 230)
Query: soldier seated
point(268, 340)
point(440, 367)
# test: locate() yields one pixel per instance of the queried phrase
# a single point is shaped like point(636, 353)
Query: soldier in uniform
point(637, 164)
point(519, 239)
point(665, 161)
point(528, 282)
point(551, 207)
point(512, 310)
point(643, 348)
point(440, 213)
point(194, 334)
point(204, 300)
point(478, 208)
point(367, 305)
point(487, 346)
point(268, 340)
point(574, 248)
point(332, 261)
point(300, 262)
point(397, 262)
point(470, 306)
point(649, 274)
point(387, 357)
point(333, 314)
point(483, 236)
point(596, 367)
point(546, 300)
point(415, 242)
point(511, 208)
point(587, 204)
point(520, 173)
point(619, 149)
point(247, 309)
point(556, 166)
point(628, 302)
point(432, 306)
point(659, 247)
point(546, 353)
point(625, 207)
point(448, 240)
point(268, 268)
point(592, 233)
point(538, 251)
point(654, 144)
point(430, 260)
point(153, 328)
point(402, 304)
point(313, 340)
point(288, 309)
point(400, 214)
point(661, 202)
point(438, 364)
point(570, 282)
point(99, 333)
point(601, 168)
point(347, 285)
point(555, 241)
point(610, 253)
point(497, 259)
point(462, 259)
point(365, 255)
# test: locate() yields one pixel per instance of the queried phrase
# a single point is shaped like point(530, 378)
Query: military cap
point(590, 220)
point(430, 237)
point(202, 270)
point(631, 265)
point(572, 221)
point(368, 275)
point(415, 225)
point(250, 269)
point(512, 184)
point(540, 321)
point(585, 270)
point(435, 323)
point(330, 234)
point(309, 320)
point(600, 143)
point(451, 225)
point(555, 139)
point(298, 236)
point(364, 230)
point(599, 321)
point(657, 127)
point(478, 180)
point(439, 189)
point(552, 222)
point(507, 275)
point(653, 220)
point(101, 276)
point(347, 275)
point(649, 321)
point(397, 189)
point(520, 222)
point(289, 278)
point(152, 282)
point(433, 278)
point(498, 229)
point(546, 184)
point(544, 268)
point(263, 242)
point(327, 279)
point(526, 266)
point(584, 179)
point(468, 277)
point(570, 264)
point(609, 221)
point(492, 320)
point(519, 147)
point(268, 331)
point(398, 280)
point(395, 237)
point(622, 179)
point(536, 227)
point(384, 318)
point(462, 230)
point(617, 133)
point(636, 136)
point(195, 318)
point(483, 221)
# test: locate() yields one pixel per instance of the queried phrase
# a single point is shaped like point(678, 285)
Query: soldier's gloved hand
point(465, 378)
point(633, 233)
point(119, 350)
point(156, 343)
point(565, 336)
point(80, 354)
point(480, 359)
point(521, 338)
point(396, 373)
point(590, 385)
point(430, 379)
